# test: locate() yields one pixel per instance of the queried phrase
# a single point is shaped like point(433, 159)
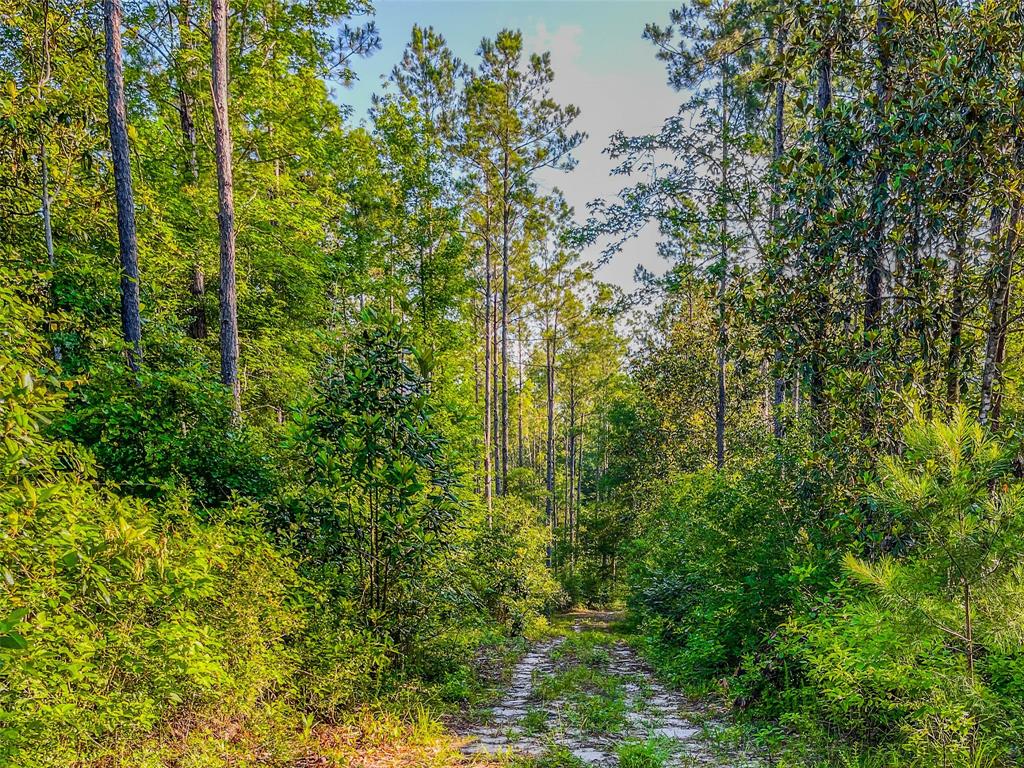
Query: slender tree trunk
point(197, 312)
point(875, 253)
point(723, 265)
point(579, 486)
point(196, 327)
point(519, 398)
point(818, 346)
point(131, 321)
point(570, 472)
point(51, 257)
point(476, 402)
point(488, 362)
point(552, 513)
point(226, 200)
point(998, 310)
point(186, 104)
point(921, 306)
point(778, 147)
point(44, 170)
point(505, 215)
point(496, 398)
point(956, 315)
point(968, 629)
point(720, 402)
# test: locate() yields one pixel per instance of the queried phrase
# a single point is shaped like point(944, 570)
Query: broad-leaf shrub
point(381, 495)
point(712, 572)
point(118, 615)
point(162, 430)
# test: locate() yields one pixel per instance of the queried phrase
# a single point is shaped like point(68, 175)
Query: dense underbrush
point(864, 654)
point(145, 622)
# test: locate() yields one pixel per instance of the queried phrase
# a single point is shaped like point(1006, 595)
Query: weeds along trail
point(585, 699)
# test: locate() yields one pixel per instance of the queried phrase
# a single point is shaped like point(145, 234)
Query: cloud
point(627, 94)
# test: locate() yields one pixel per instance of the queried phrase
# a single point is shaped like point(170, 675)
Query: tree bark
point(496, 397)
point(570, 471)
point(875, 252)
point(197, 312)
point(196, 327)
point(131, 321)
point(488, 362)
point(998, 311)
point(551, 511)
point(519, 398)
point(579, 487)
point(778, 147)
point(186, 104)
point(505, 215)
point(818, 346)
point(723, 265)
point(51, 257)
point(226, 201)
point(956, 315)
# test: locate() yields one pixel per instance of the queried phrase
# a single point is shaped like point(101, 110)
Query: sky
point(601, 64)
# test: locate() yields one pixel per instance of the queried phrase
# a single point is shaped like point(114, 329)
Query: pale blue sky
point(601, 63)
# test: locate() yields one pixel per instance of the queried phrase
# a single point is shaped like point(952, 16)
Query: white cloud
point(633, 99)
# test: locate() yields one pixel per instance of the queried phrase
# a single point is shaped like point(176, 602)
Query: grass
point(588, 648)
point(535, 721)
point(597, 713)
point(556, 757)
point(652, 753)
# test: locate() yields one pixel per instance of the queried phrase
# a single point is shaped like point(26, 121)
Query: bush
point(155, 432)
point(716, 567)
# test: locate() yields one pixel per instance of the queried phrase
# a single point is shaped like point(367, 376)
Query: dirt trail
point(594, 699)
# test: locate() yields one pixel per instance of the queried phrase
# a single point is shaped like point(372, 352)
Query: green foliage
point(117, 610)
point(876, 657)
point(381, 498)
point(643, 754)
point(719, 567)
point(507, 565)
point(166, 430)
point(840, 199)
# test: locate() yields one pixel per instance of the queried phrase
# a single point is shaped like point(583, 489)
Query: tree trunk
point(550, 509)
point(723, 265)
point(51, 257)
point(226, 200)
point(197, 312)
point(875, 253)
point(505, 214)
point(496, 399)
point(818, 346)
point(570, 472)
point(196, 327)
point(956, 315)
point(44, 171)
point(488, 469)
point(186, 104)
point(131, 321)
point(778, 147)
point(998, 311)
point(720, 402)
point(579, 487)
point(519, 398)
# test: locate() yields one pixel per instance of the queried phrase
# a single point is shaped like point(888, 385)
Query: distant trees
point(863, 244)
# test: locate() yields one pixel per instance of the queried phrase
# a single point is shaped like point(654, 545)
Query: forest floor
point(584, 698)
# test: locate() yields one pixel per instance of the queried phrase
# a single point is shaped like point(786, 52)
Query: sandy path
point(523, 723)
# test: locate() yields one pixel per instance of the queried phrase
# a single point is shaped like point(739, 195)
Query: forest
point(324, 442)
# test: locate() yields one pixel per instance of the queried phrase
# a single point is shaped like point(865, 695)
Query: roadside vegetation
point(311, 423)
